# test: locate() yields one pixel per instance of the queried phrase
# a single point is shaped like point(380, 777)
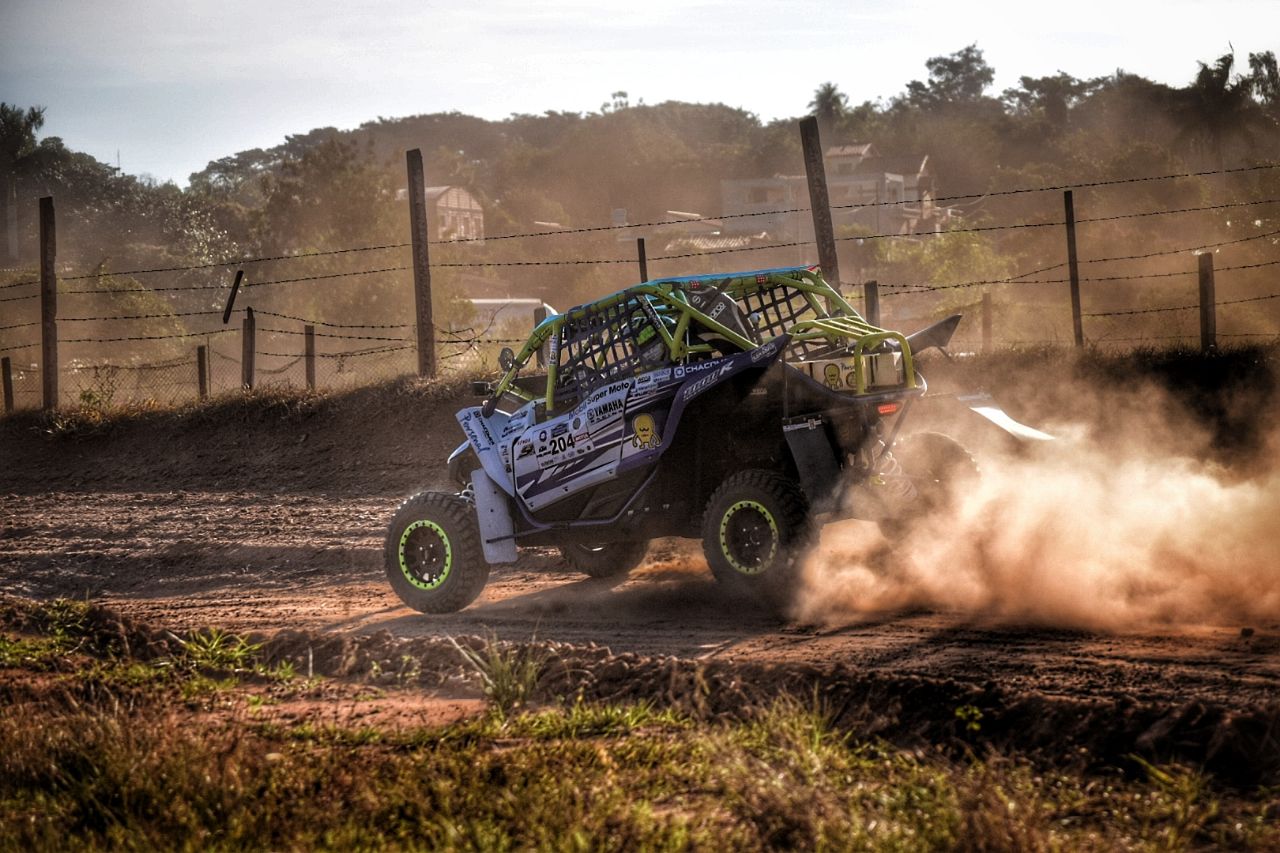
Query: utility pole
point(819, 202)
point(419, 234)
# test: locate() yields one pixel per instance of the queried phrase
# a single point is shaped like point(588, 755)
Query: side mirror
point(481, 387)
point(506, 358)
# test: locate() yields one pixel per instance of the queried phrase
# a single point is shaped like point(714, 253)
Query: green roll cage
point(835, 321)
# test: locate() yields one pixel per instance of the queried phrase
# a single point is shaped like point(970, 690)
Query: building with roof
point(453, 213)
point(868, 192)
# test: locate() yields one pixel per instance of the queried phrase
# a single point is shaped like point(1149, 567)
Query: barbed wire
point(1216, 304)
point(326, 335)
point(145, 337)
point(791, 210)
point(19, 326)
point(13, 284)
point(139, 316)
point(333, 325)
point(929, 288)
point(349, 354)
point(661, 223)
point(237, 262)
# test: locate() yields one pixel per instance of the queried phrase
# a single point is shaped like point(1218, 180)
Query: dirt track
point(190, 559)
point(269, 514)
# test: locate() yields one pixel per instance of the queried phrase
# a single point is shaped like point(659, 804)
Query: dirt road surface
point(245, 561)
point(268, 513)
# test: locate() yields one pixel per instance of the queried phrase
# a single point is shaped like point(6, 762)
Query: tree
point(1216, 109)
point(957, 78)
point(1048, 97)
point(828, 105)
point(1264, 77)
point(17, 144)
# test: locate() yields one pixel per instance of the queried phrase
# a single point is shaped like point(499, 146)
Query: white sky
point(172, 84)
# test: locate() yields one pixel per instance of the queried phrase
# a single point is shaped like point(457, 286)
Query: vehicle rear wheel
point(940, 468)
point(606, 560)
point(433, 556)
point(755, 528)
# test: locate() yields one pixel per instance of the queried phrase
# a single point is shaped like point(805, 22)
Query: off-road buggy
point(737, 408)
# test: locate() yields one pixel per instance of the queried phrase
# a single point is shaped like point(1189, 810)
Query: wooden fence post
point(48, 304)
point(1073, 267)
point(419, 234)
point(202, 371)
point(819, 203)
point(871, 302)
point(6, 368)
point(1208, 307)
point(986, 322)
point(540, 314)
point(644, 260)
point(248, 335)
point(309, 355)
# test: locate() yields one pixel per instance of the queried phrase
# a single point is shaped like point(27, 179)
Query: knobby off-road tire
point(755, 528)
point(608, 560)
point(941, 470)
point(433, 554)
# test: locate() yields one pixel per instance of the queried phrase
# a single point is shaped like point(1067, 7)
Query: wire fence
point(137, 334)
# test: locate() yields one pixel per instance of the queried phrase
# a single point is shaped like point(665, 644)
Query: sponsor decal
point(698, 386)
point(577, 423)
point(526, 448)
point(761, 353)
point(831, 376)
point(604, 411)
point(644, 432)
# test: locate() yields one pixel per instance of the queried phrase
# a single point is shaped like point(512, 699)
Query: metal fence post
point(1073, 267)
point(6, 368)
point(248, 333)
point(1208, 307)
point(309, 355)
point(48, 303)
point(871, 302)
point(202, 371)
point(643, 258)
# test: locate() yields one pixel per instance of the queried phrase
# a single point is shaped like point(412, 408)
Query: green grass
point(580, 777)
point(101, 751)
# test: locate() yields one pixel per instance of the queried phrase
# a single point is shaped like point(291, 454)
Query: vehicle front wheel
point(433, 556)
point(753, 533)
point(607, 560)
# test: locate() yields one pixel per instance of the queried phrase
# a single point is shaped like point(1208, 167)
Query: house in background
point(875, 194)
point(452, 213)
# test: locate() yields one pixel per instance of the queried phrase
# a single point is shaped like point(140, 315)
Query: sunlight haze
point(173, 86)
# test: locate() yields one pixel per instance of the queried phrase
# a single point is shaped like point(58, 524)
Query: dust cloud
point(1106, 529)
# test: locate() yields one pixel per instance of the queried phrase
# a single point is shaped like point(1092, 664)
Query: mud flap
point(493, 515)
point(815, 460)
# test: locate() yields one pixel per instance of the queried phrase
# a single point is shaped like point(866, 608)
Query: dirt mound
point(385, 439)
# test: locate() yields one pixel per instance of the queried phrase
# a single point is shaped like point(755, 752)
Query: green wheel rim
point(426, 556)
point(742, 527)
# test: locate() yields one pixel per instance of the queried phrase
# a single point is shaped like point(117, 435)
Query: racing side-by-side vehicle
point(737, 408)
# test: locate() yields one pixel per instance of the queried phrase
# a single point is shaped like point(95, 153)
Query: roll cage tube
point(665, 299)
